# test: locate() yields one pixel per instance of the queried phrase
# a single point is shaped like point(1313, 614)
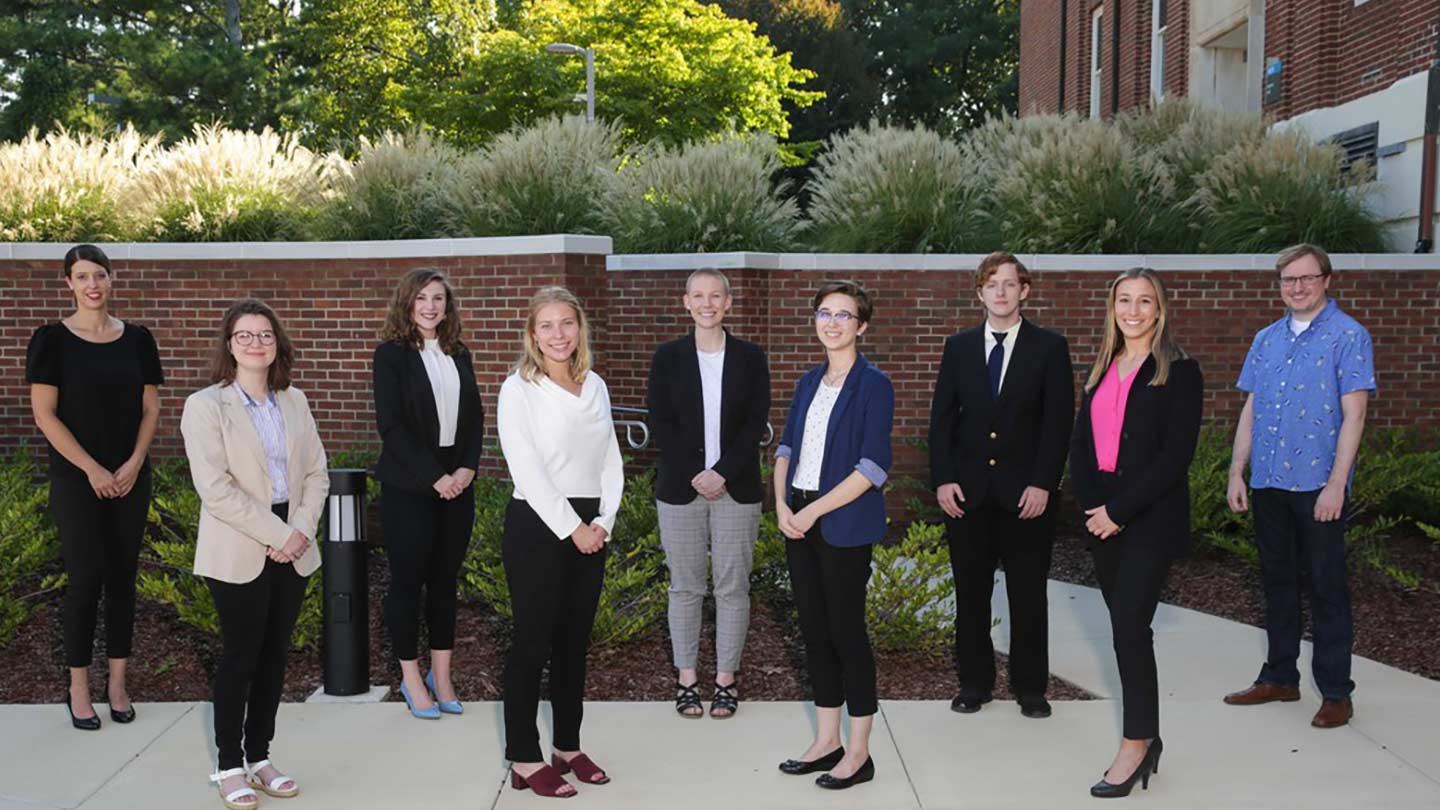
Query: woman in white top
point(431, 425)
point(559, 443)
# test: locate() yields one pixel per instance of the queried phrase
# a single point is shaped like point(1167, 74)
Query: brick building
point(1363, 72)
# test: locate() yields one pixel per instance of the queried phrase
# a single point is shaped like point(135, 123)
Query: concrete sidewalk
point(1217, 756)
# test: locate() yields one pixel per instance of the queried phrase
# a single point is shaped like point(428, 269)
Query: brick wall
point(1039, 56)
point(333, 308)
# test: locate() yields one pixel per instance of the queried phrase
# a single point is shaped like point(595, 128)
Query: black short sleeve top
point(102, 388)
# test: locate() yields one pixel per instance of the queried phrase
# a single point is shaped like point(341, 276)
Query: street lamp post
point(566, 49)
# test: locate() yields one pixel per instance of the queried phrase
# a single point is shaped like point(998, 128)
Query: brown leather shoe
point(1333, 713)
point(1263, 693)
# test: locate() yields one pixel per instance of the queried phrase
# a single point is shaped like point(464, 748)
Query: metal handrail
point(631, 425)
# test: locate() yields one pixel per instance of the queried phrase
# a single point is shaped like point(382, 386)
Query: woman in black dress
point(94, 389)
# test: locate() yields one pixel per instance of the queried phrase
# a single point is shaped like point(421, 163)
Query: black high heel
point(82, 723)
point(800, 767)
point(127, 716)
point(1149, 764)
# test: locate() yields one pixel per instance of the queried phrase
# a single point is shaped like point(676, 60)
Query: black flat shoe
point(800, 767)
point(1149, 764)
point(865, 774)
point(1034, 706)
point(84, 724)
point(965, 703)
point(126, 716)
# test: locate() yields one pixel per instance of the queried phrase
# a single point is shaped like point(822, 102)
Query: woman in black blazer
point(431, 424)
point(1130, 458)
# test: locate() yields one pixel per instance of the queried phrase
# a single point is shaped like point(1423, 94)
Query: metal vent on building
point(1359, 144)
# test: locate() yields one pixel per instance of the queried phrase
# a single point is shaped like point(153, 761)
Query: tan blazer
point(227, 464)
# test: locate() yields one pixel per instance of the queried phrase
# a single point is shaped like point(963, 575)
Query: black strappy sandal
point(688, 701)
point(726, 701)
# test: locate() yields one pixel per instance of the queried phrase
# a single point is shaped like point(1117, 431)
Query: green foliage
point(551, 177)
point(65, 188)
point(168, 559)
point(910, 603)
point(380, 194)
point(359, 458)
point(885, 189)
point(28, 543)
point(704, 197)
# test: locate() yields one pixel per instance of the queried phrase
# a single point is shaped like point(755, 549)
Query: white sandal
point(252, 775)
point(232, 799)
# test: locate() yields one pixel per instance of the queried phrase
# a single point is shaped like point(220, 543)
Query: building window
point(1157, 49)
point(1097, 31)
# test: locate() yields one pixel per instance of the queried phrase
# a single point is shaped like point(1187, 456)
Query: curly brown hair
point(222, 362)
point(400, 320)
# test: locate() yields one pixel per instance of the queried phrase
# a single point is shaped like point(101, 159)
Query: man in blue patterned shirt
point(1309, 376)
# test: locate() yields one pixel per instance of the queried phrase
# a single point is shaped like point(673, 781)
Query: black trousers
point(828, 583)
point(425, 540)
point(1295, 548)
point(1132, 573)
point(989, 535)
point(554, 592)
point(100, 541)
point(257, 619)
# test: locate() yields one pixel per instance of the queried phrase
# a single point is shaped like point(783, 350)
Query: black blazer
point(1000, 447)
point(409, 425)
point(677, 418)
point(1149, 493)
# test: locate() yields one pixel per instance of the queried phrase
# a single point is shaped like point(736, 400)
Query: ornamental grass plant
point(381, 194)
point(703, 197)
point(67, 188)
point(887, 189)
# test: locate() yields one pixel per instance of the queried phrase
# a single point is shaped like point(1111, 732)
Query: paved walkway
point(1217, 756)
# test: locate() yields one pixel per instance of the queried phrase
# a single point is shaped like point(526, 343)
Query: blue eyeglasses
point(842, 317)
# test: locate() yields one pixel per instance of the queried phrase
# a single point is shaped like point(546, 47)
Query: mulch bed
point(174, 662)
point(1394, 625)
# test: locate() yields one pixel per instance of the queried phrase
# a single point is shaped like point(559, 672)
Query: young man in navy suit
point(1000, 425)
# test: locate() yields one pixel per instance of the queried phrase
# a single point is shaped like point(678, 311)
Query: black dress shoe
point(91, 723)
point(865, 774)
point(126, 716)
point(966, 703)
point(800, 767)
point(1034, 706)
point(1149, 764)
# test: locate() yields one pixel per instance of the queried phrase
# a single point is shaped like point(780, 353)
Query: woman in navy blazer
point(832, 461)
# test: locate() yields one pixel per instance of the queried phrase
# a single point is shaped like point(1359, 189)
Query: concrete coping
point(383, 249)
point(969, 261)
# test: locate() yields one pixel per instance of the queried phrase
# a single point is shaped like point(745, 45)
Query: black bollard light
point(346, 640)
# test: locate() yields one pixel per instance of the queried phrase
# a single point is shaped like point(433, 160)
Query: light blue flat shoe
point(432, 713)
point(446, 706)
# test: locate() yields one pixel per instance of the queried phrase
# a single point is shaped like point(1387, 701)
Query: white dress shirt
point(812, 444)
point(712, 373)
point(445, 385)
point(558, 446)
point(1011, 335)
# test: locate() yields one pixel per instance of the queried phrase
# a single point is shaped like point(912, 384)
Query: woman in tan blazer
point(259, 467)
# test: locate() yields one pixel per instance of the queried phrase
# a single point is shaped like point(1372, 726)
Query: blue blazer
point(857, 438)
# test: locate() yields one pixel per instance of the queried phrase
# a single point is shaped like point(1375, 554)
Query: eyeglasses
point(267, 338)
point(841, 318)
point(1301, 281)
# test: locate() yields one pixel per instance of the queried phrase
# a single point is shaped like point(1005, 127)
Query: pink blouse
point(1107, 416)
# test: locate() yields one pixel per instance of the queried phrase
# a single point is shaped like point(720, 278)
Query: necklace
point(832, 379)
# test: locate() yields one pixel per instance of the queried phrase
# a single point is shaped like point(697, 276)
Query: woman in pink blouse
point(1130, 460)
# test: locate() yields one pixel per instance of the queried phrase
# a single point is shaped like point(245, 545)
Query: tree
point(947, 64)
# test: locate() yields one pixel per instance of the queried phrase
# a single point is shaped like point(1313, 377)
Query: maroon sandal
point(585, 769)
point(545, 782)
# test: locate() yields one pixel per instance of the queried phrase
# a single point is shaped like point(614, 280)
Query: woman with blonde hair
point(431, 423)
point(559, 443)
point(1130, 459)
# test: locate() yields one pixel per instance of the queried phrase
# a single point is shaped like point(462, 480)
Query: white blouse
point(558, 446)
point(445, 385)
point(812, 444)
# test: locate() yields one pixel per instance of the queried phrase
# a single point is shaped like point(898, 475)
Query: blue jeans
point(1296, 549)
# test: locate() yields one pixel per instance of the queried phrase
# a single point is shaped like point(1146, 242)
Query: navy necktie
point(997, 364)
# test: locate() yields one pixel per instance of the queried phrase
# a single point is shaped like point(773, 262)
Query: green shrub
point(550, 177)
point(910, 604)
point(380, 195)
point(66, 188)
point(1284, 189)
point(703, 197)
point(892, 189)
point(28, 543)
point(169, 559)
point(224, 185)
